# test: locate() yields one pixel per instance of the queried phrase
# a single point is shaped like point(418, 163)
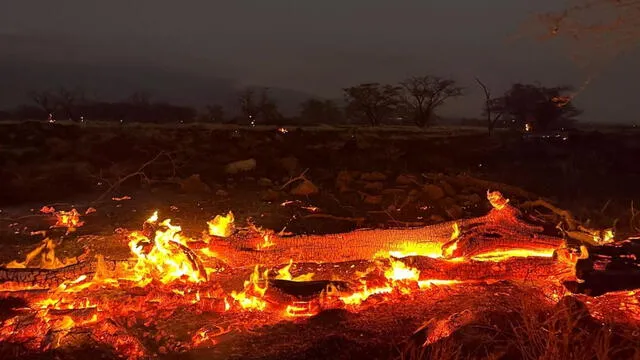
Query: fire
point(48, 259)
point(284, 274)
point(500, 255)
point(266, 242)
point(449, 248)
point(222, 226)
point(166, 257)
point(170, 273)
point(66, 219)
point(251, 297)
point(399, 271)
point(497, 200)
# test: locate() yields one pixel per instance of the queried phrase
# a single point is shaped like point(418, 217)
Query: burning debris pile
point(231, 280)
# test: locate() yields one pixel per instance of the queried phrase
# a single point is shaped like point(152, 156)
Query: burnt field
point(317, 242)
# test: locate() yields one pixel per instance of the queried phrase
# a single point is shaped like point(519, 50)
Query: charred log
point(52, 277)
point(306, 289)
point(608, 268)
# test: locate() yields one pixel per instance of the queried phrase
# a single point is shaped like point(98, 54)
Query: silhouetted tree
point(260, 109)
point(493, 108)
point(540, 107)
point(44, 99)
point(68, 101)
point(423, 95)
point(320, 112)
point(372, 102)
point(248, 105)
point(268, 109)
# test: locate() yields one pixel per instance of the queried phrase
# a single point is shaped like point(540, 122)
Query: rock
point(344, 180)
point(372, 199)
point(240, 166)
point(393, 191)
point(373, 176)
point(470, 199)
point(193, 184)
point(290, 164)
point(222, 193)
point(264, 182)
point(448, 189)
point(406, 179)
point(452, 209)
point(270, 195)
point(305, 188)
point(433, 192)
point(376, 186)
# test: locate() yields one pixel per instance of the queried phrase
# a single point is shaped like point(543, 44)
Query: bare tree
point(538, 107)
point(424, 94)
point(44, 99)
point(491, 110)
point(267, 108)
point(258, 109)
point(248, 105)
point(372, 102)
point(67, 100)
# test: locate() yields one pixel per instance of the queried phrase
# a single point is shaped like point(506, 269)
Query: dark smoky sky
point(319, 47)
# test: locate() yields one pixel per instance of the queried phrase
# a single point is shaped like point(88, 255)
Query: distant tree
point(372, 102)
point(140, 98)
point(44, 99)
point(320, 112)
point(493, 108)
point(540, 107)
point(424, 94)
point(248, 105)
point(215, 113)
point(258, 108)
point(268, 109)
point(68, 101)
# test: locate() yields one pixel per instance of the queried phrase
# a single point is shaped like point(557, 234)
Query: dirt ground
point(357, 178)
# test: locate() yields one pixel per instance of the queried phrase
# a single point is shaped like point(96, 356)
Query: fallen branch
point(566, 215)
point(292, 180)
point(357, 220)
point(138, 173)
point(462, 181)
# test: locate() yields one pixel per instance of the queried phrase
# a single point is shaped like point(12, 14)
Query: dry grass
point(533, 332)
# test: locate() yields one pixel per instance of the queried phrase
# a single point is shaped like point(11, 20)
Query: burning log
point(499, 230)
point(608, 268)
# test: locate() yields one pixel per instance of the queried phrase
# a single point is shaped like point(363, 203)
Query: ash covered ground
point(330, 180)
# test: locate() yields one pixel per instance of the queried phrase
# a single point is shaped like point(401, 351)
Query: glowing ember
point(499, 255)
point(169, 273)
point(497, 200)
point(66, 219)
point(300, 309)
